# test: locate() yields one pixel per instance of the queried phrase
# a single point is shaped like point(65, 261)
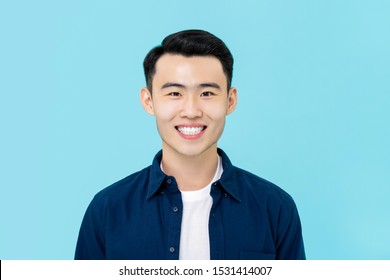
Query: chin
point(193, 152)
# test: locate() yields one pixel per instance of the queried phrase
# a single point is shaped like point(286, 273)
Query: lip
point(189, 136)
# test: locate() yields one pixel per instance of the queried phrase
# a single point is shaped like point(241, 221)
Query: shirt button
point(172, 249)
point(226, 195)
point(175, 209)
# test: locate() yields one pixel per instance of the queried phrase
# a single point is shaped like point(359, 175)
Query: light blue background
point(313, 113)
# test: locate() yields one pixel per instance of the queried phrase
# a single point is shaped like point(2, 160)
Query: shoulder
point(245, 185)
point(255, 186)
point(122, 190)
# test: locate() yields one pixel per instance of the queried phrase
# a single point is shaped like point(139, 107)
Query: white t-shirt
point(194, 237)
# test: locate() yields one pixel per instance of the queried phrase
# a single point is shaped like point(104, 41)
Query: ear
point(146, 100)
point(232, 100)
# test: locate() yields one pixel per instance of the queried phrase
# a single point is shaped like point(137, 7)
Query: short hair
point(190, 43)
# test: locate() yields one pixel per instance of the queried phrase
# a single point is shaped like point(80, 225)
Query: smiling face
point(190, 101)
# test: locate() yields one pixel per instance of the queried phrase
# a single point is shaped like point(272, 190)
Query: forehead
point(188, 70)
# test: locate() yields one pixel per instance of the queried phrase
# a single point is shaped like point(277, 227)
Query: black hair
point(190, 43)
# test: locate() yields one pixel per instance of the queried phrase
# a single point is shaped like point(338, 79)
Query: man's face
point(190, 101)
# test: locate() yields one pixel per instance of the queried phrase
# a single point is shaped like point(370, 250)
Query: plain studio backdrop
point(313, 79)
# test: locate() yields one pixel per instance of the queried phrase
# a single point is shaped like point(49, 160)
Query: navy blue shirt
point(139, 218)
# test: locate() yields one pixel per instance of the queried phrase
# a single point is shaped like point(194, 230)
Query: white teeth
point(190, 130)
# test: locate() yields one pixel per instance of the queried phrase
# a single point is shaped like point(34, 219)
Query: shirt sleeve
point(90, 243)
point(289, 245)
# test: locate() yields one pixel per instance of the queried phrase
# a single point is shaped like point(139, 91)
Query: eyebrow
point(167, 85)
point(202, 85)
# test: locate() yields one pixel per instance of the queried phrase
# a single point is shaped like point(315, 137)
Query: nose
point(191, 108)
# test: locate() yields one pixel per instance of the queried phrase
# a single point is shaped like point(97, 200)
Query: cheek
point(217, 111)
point(164, 112)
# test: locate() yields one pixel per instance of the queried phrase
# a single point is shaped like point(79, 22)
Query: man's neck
point(191, 172)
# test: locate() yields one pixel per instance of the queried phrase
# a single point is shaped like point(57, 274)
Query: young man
point(191, 203)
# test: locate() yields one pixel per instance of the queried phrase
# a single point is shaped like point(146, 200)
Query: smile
point(195, 130)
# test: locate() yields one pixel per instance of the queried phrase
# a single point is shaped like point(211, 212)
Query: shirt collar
point(156, 176)
point(228, 179)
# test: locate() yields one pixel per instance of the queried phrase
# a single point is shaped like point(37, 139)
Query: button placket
point(175, 215)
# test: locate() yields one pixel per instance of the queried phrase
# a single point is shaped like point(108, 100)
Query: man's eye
point(174, 94)
point(207, 93)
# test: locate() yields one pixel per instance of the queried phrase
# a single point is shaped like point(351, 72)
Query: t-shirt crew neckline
point(204, 192)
